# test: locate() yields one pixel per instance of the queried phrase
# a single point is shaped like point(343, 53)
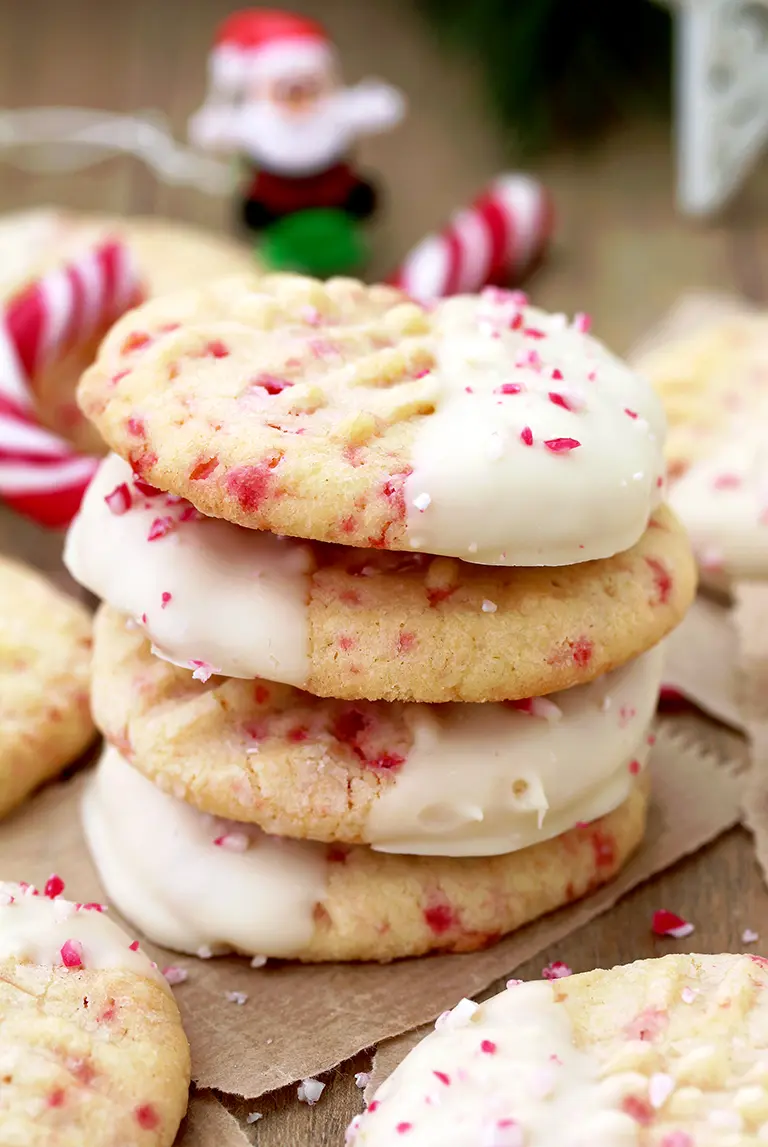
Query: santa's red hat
point(263, 43)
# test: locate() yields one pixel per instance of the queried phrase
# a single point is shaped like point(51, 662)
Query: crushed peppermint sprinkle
point(509, 388)
point(557, 970)
point(660, 1087)
point(421, 501)
point(558, 399)
point(254, 1117)
point(513, 984)
point(537, 707)
point(165, 599)
point(488, 1047)
point(688, 994)
point(526, 436)
point(204, 952)
point(666, 923)
point(457, 1016)
point(175, 975)
point(6, 898)
point(582, 322)
point(749, 937)
point(202, 671)
point(72, 954)
point(258, 961)
point(630, 413)
point(133, 946)
point(233, 841)
point(54, 886)
point(119, 501)
point(489, 606)
point(238, 998)
point(160, 528)
point(362, 1079)
point(561, 445)
point(310, 1091)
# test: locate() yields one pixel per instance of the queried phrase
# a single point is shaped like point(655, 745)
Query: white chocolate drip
point(487, 779)
point(159, 864)
point(35, 929)
point(237, 600)
point(506, 1074)
point(478, 492)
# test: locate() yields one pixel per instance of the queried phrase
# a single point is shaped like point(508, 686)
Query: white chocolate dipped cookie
point(208, 886)
point(171, 256)
point(706, 379)
point(480, 429)
point(723, 501)
point(45, 661)
point(91, 1041)
point(671, 1052)
point(349, 623)
point(454, 780)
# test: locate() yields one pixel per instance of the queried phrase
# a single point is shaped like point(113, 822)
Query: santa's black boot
point(362, 200)
point(255, 215)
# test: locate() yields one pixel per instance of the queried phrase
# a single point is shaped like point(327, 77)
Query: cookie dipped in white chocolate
point(722, 501)
point(44, 929)
point(480, 780)
point(544, 448)
point(204, 885)
point(211, 596)
point(671, 1052)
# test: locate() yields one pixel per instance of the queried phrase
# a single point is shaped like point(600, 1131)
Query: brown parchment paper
point(300, 1021)
point(702, 655)
point(751, 623)
point(702, 661)
point(209, 1124)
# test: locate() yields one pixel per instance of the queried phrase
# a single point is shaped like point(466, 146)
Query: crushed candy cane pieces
point(175, 975)
point(749, 937)
point(556, 971)
point(666, 923)
point(254, 1117)
point(72, 954)
point(54, 886)
point(238, 998)
point(362, 1079)
point(310, 1091)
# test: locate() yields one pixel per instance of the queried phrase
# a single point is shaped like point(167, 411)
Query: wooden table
point(622, 254)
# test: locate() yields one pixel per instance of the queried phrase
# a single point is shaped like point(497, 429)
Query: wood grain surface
point(621, 254)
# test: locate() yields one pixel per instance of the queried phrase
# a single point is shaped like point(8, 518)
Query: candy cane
point(493, 241)
point(41, 476)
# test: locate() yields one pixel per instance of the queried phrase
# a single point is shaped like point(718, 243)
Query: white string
point(69, 139)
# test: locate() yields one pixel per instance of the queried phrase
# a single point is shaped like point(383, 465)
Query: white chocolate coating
point(34, 929)
point(478, 492)
point(722, 501)
point(481, 780)
point(238, 598)
point(534, 1089)
point(158, 862)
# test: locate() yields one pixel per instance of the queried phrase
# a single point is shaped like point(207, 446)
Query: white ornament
point(721, 96)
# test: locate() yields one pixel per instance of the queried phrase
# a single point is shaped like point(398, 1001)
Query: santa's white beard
point(291, 144)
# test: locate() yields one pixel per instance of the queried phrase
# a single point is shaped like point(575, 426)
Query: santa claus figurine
point(276, 99)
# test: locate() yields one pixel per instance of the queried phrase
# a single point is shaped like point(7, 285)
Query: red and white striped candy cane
point(492, 242)
point(41, 476)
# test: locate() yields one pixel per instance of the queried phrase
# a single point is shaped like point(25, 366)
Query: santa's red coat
point(284, 194)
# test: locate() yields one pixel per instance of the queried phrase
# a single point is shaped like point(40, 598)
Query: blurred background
point(578, 95)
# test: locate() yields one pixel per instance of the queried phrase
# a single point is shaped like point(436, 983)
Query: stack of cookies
point(384, 590)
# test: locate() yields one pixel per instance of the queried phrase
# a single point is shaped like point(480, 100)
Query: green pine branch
point(562, 68)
